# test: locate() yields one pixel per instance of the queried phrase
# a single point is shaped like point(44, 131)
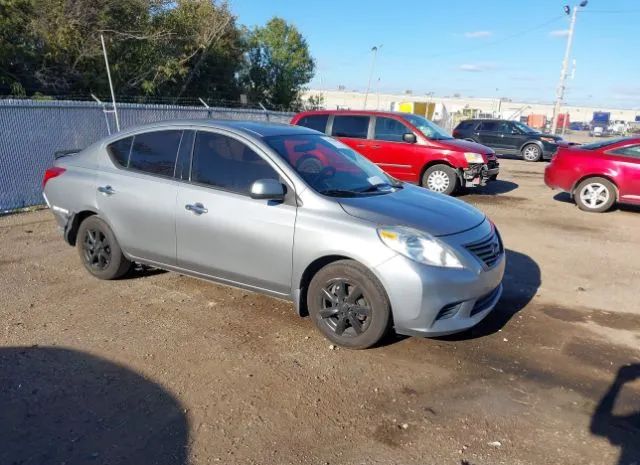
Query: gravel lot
point(161, 368)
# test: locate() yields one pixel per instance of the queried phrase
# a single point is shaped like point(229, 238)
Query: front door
point(511, 137)
point(387, 149)
point(627, 161)
point(137, 194)
point(221, 231)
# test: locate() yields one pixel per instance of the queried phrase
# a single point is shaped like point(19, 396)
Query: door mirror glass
point(267, 189)
point(409, 138)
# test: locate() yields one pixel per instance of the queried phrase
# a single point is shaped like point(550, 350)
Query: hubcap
point(594, 195)
point(344, 308)
point(97, 250)
point(531, 152)
point(438, 181)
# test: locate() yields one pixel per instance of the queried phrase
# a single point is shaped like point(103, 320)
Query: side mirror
point(409, 138)
point(267, 189)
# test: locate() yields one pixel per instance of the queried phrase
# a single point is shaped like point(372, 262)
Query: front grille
point(488, 250)
point(483, 302)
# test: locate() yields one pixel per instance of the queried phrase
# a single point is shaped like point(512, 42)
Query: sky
point(475, 48)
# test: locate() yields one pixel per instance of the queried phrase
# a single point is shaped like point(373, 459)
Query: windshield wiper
point(340, 193)
point(376, 187)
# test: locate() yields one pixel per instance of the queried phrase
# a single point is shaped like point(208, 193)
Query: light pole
point(565, 63)
point(374, 49)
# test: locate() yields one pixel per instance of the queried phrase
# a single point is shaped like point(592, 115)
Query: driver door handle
point(361, 146)
point(196, 208)
point(375, 146)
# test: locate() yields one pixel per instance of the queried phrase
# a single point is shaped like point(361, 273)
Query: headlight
point(548, 139)
point(473, 157)
point(419, 246)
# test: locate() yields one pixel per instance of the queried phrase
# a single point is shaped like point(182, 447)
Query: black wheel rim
point(97, 250)
point(344, 308)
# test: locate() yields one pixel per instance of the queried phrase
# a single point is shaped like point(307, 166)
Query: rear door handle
point(361, 146)
point(196, 208)
point(106, 190)
point(375, 146)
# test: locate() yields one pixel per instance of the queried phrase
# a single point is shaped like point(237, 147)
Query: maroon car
point(408, 147)
point(598, 175)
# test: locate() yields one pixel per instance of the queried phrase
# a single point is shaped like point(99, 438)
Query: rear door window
point(155, 152)
point(489, 126)
point(355, 127)
point(465, 125)
point(317, 122)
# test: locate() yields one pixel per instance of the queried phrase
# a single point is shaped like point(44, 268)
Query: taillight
point(51, 173)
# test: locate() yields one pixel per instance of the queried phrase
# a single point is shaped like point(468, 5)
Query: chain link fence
point(32, 131)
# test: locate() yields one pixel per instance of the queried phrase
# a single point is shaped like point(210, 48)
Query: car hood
point(465, 146)
point(436, 214)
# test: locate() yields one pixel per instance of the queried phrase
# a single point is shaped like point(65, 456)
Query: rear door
point(487, 134)
point(317, 122)
point(221, 231)
point(352, 130)
point(627, 160)
point(387, 149)
point(137, 193)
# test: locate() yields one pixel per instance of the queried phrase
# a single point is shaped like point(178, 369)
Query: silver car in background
point(285, 211)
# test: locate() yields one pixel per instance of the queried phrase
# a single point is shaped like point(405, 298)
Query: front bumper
point(480, 174)
point(433, 301)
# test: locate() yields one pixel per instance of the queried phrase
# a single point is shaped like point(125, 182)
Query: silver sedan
point(285, 211)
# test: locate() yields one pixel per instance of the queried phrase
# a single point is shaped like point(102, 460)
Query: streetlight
point(565, 62)
point(374, 49)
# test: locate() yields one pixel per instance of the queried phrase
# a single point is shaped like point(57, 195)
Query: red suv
point(597, 175)
point(408, 147)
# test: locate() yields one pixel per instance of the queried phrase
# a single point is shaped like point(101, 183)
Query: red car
point(597, 175)
point(408, 147)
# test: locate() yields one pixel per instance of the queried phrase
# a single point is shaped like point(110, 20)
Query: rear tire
point(595, 195)
point(531, 152)
point(441, 178)
point(349, 305)
point(99, 250)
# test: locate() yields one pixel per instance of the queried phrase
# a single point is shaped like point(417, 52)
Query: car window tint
point(390, 129)
point(119, 151)
point(631, 151)
point(489, 126)
point(505, 127)
point(223, 162)
point(155, 152)
point(350, 126)
point(465, 125)
point(317, 122)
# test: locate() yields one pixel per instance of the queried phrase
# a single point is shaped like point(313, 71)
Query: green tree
point(278, 65)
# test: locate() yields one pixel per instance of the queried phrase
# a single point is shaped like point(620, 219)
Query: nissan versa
point(225, 201)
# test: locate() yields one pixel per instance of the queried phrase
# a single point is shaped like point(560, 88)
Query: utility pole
point(113, 95)
point(374, 49)
point(565, 64)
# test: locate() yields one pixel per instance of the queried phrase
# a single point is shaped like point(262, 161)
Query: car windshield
point(426, 127)
point(601, 144)
point(330, 167)
point(524, 128)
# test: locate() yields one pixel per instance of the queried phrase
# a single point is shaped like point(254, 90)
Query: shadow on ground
point(564, 197)
point(521, 282)
point(64, 406)
point(621, 430)
point(497, 187)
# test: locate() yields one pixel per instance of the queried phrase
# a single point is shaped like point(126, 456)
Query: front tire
point(595, 195)
point(99, 250)
point(441, 178)
point(531, 152)
point(349, 305)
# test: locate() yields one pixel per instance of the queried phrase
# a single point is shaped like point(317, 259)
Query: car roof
point(354, 112)
point(252, 128)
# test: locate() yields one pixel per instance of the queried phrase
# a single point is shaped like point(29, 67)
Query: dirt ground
point(164, 369)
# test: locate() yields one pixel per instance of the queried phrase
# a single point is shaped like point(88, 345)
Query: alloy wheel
point(531, 153)
point(594, 195)
point(438, 181)
point(344, 308)
point(97, 250)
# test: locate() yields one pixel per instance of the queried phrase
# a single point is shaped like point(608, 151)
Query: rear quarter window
point(317, 122)
point(465, 125)
point(120, 150)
